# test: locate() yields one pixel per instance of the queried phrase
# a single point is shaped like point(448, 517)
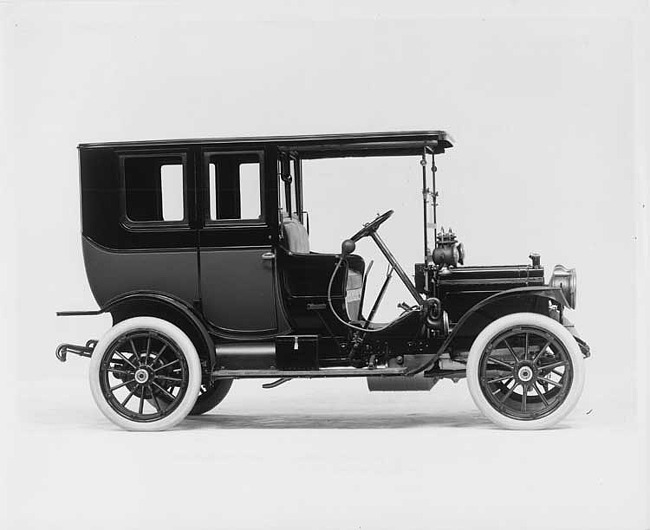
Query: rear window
point(154, 188)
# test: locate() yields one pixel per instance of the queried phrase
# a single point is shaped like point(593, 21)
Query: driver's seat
point(318, 268)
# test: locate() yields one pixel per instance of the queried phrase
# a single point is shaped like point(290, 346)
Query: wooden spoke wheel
point(525, 371)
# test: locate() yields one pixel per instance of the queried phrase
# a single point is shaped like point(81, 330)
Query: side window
point(171, 185)
point(154, 188)
point(234, 186)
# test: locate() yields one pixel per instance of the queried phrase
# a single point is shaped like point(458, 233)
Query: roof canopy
point(367, 144)
point(317, 146)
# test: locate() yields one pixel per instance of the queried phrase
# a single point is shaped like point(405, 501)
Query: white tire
point(541, 386)
point(142, 358)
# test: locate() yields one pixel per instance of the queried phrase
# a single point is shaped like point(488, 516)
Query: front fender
point(553, 294)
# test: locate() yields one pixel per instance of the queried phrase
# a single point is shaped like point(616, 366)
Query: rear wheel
point(145, 374)
point(525, 371)
point(210, 396)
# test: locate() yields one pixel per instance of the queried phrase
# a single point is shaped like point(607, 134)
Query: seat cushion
point(296, 236)
point(353, 289)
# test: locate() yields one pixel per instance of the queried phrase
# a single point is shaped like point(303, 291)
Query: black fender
point(160, 305)
point(542, 293)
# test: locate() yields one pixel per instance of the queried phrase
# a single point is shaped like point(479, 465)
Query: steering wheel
point(372, 226)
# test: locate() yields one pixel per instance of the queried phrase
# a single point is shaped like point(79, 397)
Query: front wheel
point(525, 371)
point(145, 374)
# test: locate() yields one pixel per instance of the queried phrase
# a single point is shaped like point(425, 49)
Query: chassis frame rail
point(322, 372)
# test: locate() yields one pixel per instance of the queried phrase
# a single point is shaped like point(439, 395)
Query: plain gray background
point(548, 110)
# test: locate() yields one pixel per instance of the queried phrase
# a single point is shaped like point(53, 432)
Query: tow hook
point(63, 350)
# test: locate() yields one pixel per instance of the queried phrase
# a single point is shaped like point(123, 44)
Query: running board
point(324, 372)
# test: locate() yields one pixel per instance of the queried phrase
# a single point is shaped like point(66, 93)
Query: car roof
point(314, 146)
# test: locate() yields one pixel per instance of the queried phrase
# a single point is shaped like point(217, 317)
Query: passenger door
point(236, 256)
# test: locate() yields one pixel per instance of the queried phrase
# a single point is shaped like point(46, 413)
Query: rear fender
point(167, 308)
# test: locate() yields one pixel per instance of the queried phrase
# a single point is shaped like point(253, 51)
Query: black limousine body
point(199, 250)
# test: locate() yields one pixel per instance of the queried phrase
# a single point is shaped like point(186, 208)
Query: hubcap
point(141, 375)
point(525, 374)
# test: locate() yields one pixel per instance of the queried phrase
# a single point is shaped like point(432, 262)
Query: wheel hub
point(525, 373)
point(141, 376)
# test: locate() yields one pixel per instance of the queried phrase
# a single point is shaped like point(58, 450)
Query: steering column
point(370, 229)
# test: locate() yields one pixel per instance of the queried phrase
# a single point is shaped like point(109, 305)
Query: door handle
point(268, 255)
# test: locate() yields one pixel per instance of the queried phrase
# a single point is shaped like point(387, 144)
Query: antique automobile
point(199, 250)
